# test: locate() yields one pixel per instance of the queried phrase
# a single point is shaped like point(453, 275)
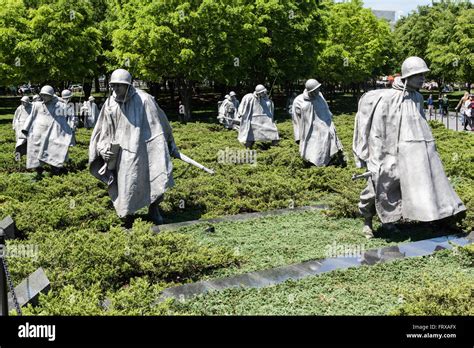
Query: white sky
point(402, 7)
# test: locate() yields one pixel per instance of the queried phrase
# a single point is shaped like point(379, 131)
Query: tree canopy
point(442, 34)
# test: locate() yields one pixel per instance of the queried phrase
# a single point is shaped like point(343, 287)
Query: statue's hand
point(108, 155)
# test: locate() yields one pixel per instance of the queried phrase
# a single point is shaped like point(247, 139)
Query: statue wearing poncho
point(256, 118)
point(226, 112)
point(393, 140)
point(21, 114)
point(48, 132)
point(91, 113)
point(143, 169)
point(313, 128)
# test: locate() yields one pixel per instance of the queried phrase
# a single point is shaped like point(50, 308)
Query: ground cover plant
point(97, 268)
point(440, 284)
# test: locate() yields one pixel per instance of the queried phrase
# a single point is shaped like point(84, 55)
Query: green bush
point(454, 297)
point(137, 298)
point(84, 257)
point(82, 248)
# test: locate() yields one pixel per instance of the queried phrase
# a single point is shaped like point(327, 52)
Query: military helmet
point(260, 89)
point(36, 97)
point(413, 66)
point(66, 94)
point(311, 85)
point(91, 98)
point(121, 76)
point(232, 94)
point(25, 99)
point(48, 90)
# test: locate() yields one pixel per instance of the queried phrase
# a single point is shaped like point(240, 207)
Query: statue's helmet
point(121, 76)
point(36, 97)
point(259, 89)
point(25, 99)
point(66, 94)
point(47, 90)
point(91, 98)
point(311, 85)
point(232, 94)
point(227, 97)
point(413, 66)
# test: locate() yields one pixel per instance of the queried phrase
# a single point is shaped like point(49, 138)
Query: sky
point(402, 7)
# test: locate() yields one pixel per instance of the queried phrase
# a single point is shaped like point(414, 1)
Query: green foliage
point(71, 219)
point(84, 257)
point(456, 298)
point(442, 34)
point(129, 268)
point(137, 298)
point(358, 44)
point(199, 40)
point(56, 41)
point(368, 290)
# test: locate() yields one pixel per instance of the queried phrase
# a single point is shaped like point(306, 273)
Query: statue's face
point(262, 95)
point(416, 81)
point(46, 97)
point(25, 104)
point(120, 89)
point(313, 94)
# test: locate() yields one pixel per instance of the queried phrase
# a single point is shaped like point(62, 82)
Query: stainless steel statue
point(90, 112)
point(256, 118)
point(21, 114)
point(70, 113)
point(48, 132)
point(131, 148)
point(313, 126)
point(226, 112)
point(393, 140)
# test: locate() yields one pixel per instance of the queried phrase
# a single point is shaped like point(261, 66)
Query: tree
point(293, 35)
point(239, 43)
point(54, 42)
point(358, 44)
point(442, 34)
point(186, 41)
point(13, 24)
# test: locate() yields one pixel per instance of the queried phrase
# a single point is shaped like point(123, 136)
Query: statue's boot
point(39, 173)
point(367, 230)
point(154, 213)
point(128, 221)
point(391, 228)
point(55, 170)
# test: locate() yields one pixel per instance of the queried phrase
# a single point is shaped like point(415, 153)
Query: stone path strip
point(302, 270)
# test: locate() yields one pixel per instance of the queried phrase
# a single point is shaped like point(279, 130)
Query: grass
point(368, 290)
point(269, 242)
point(72, 221)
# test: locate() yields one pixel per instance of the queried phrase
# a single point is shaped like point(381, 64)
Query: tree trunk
point(171, 90)
point(87, 89)
point(154, 89)
point(185, 88)
point(97, 84)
